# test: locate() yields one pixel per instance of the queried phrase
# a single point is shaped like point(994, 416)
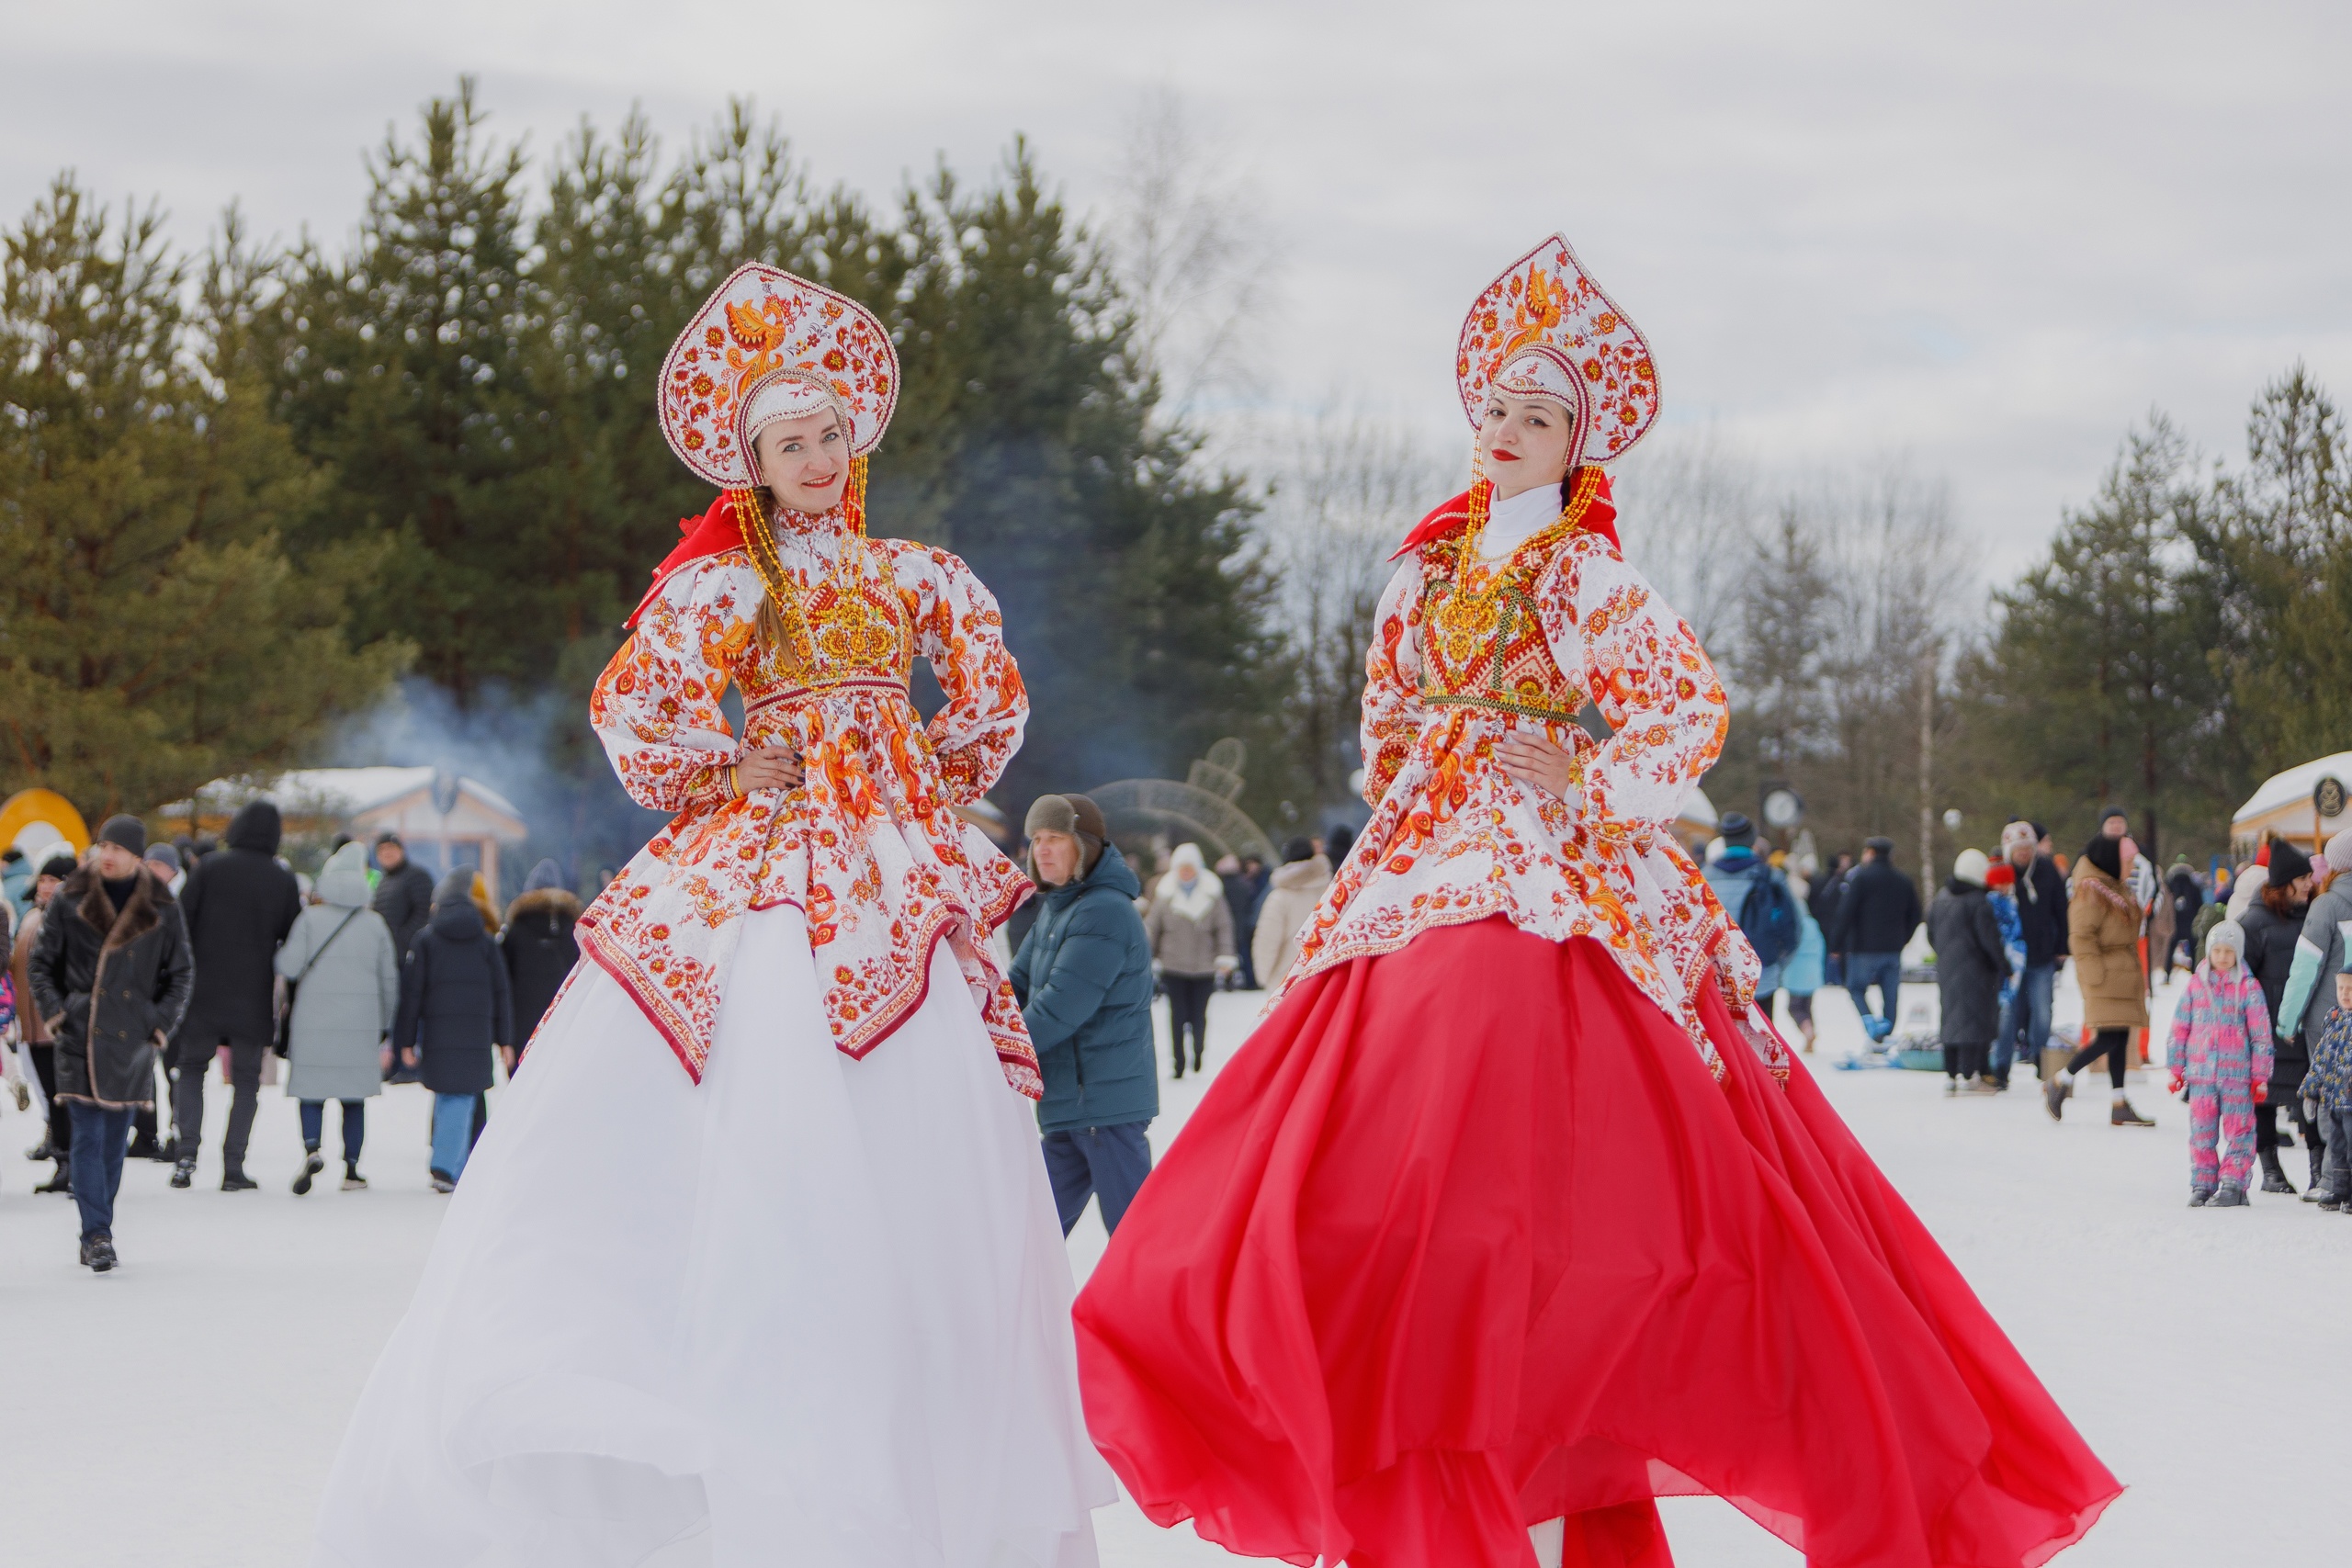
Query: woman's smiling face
point(1523, 443)
point(804, 460)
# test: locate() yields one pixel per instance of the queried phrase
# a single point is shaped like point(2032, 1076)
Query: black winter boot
point(2312, 1189)
point(2273, 1178)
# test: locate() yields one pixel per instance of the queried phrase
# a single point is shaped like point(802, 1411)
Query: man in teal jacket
point(1083, 979)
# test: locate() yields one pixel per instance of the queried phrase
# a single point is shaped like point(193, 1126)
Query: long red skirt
point(1467, 1238)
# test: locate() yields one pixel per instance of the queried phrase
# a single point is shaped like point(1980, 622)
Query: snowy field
point(185, 1408)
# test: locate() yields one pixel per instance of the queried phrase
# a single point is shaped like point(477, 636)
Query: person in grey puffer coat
point(347, 981)
point(1971, 964)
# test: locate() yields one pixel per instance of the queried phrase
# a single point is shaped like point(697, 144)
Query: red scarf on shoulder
point(1600, 517)
point(714, 533)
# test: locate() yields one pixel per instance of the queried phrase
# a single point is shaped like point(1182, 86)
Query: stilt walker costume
point(1515, 1211)
point(758, 1262)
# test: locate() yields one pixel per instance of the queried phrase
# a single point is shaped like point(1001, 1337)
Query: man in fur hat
point(110, 976)
point(1083, 979)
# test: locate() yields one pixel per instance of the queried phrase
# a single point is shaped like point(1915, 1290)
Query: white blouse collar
point(1512, 523)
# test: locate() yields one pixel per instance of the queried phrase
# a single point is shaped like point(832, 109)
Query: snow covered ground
point(185, 1408)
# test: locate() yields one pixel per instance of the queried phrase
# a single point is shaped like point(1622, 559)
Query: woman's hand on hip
point(774, 766)
point(1532, 760)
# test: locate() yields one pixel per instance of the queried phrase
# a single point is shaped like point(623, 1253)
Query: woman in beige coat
point(2103, 939)
point(1292, 894)
point(1190, 928)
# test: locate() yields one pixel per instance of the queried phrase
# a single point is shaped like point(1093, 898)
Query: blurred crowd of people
point(140, 961)
point(2262, 1024)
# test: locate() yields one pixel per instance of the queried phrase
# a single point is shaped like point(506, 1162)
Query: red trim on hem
point(605, 961)
point(595, 949)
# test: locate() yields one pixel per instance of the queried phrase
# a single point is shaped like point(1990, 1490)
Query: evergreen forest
point(250, 493)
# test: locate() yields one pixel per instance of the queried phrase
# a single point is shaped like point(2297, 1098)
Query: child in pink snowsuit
point(2220, 1050)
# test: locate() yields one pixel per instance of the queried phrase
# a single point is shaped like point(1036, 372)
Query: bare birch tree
point(1195, 254)
point(1347, 488)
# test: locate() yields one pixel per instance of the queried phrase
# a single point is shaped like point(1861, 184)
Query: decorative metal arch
point(1199, 807)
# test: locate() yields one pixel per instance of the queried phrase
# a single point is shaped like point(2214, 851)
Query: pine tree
point(2096, 687)
point(403, 365)
point(1130, 598)
point(2274, 554)
point(1776, 666)
point(154, 634)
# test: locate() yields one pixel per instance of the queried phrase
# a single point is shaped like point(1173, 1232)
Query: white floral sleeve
point(1392, 679)
point(1644, 667)
point(656, 707)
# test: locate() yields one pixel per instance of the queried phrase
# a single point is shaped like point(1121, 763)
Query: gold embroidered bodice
point(850, 629)
point(1482, 641)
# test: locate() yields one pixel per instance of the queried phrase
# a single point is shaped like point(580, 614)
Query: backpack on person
point(1768, 916)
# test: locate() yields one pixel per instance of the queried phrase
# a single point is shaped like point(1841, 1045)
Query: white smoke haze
point(535, 749)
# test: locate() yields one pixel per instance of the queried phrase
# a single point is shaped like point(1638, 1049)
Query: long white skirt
point(814, 1311)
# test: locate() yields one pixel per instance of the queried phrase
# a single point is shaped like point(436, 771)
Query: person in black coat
point(1823, 901)
point(2180, 881)
point(1971, 964)
point(1245, 887)
point(539, 950)
point(404, 892)
point(2274, 924)
point(240, 903)
point(110, 974)
point(1876, 915)
point(404, 897)
point(456, 1006)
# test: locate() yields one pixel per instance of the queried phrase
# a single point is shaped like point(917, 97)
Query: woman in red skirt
point(1514, 1216)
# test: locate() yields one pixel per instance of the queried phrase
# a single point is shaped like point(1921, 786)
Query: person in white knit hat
point(1970, 962)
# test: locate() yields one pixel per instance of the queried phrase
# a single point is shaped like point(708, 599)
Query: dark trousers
point(2110, 1044)
point(61, 1125)
point(354, 1126)
point(2335, 1127)
point(187, 1099)
point(1108, 1163)
point(2025, 1020)
point(1188, 1009)
point(1883, 970)
point(100, 1134)
point(1963, 1061)
point(2266, 1123)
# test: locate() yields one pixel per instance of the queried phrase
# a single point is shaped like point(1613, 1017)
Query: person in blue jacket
point(1083, 979)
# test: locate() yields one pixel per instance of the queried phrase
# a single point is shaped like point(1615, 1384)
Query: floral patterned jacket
point(869, 848)
point(2329, 1080)
point(1466, 654)
point(2221, 1028)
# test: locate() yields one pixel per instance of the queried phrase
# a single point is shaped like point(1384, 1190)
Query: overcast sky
point(1982, 238)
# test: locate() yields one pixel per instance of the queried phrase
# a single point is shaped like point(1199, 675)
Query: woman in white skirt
point(758, 1263)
